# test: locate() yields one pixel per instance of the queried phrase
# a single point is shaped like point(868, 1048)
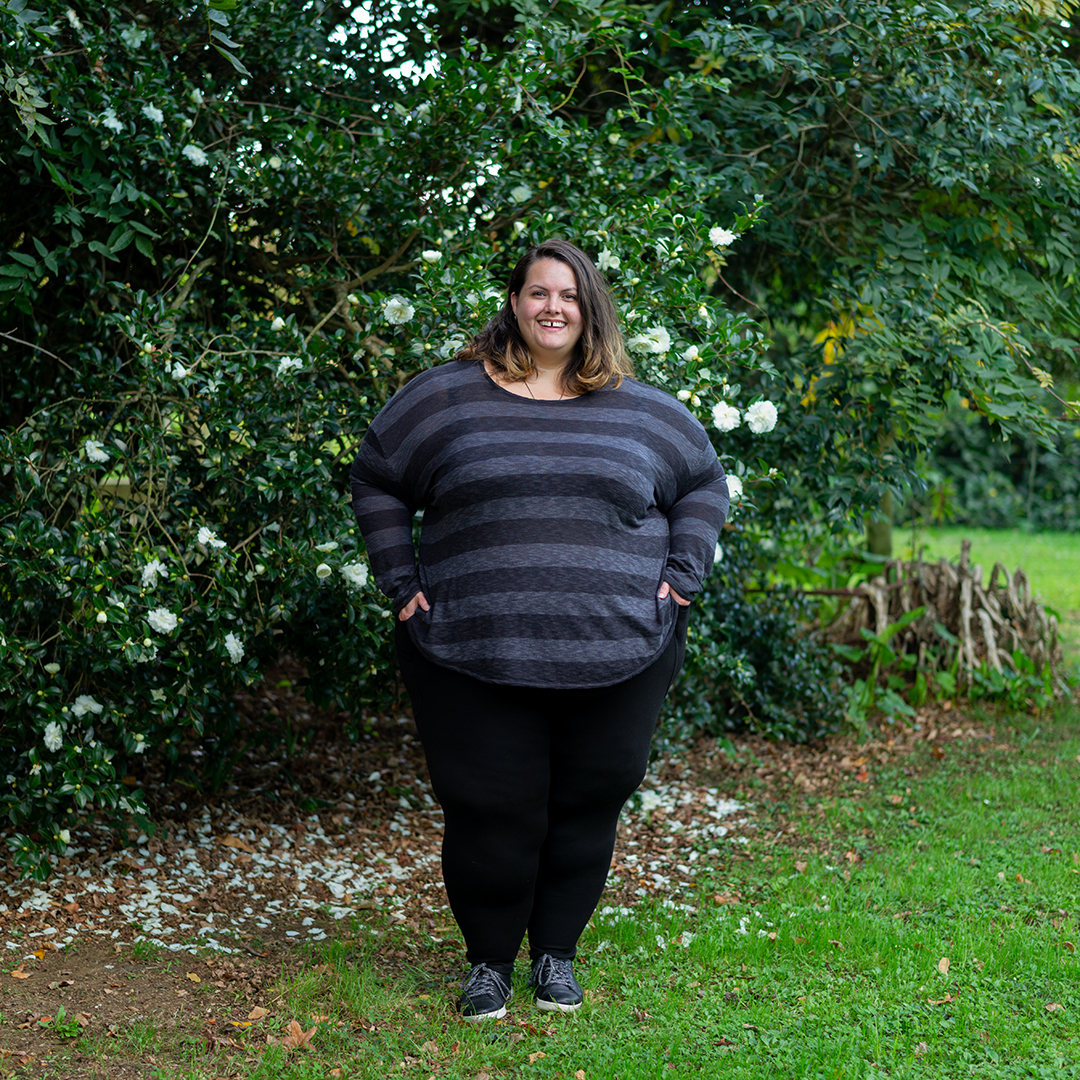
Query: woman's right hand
point(409, 610)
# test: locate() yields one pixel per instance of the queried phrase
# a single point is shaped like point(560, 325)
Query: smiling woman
point(570, 515)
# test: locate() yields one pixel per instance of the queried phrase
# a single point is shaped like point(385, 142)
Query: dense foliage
point(231, 231)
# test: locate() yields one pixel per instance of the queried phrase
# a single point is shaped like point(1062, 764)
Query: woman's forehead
point(551, 274)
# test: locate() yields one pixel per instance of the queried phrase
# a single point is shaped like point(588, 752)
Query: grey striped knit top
point(548, 526)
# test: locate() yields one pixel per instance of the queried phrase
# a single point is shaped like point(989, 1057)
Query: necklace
point(535, 398)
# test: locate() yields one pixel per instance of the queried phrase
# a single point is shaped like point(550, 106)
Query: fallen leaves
point(536, 1056)
point(298, 1038)
point(18, 973)
point(257, 1013)
point(943, 965)
point(193, 977)
point(800, 867)
point(946, 1000)
point(236, 842)
point(1054, 1006)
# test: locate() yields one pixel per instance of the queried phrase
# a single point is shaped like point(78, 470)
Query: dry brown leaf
point(39, 953)
point(431, 1046)
point(335, 1072)
point(1054, 1006)
point(772, 935)
point(896, 800)
point(258, 1013)
point(1069, 945)
point(579, 1075)
point(942, 1001)
point(800, 867)
point(319, 1018)
point(193, 977)
point(836, 944)
point(298, 1037)
point(236, 842)
point(921, 1048)
point(535, 1056)
point(18, 973)
point(943, 965)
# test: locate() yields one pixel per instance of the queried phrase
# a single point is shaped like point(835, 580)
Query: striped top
point(548, 526)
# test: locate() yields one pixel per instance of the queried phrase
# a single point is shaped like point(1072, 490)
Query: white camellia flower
point(683, 395)
point(152, 112)
point(606, 260)
point(73, 19)
point(195, 154)
point(53, 669)
point(654, 340)
point(109, 119)
point(356, 574)
point(398, 310)
point(95, 451)
point(323, 571)
point(718, 554)
point(287, 364)
point(235, 647)
point(722, 238)
point(761, 417)
point(431, 256)
point(162, 620)
point(102, 617)
point(140, 743)
point(277, 324)
point(179, 371)
point(726, 417)
point(54, 736)
point(196, 96)
point(208, 538)
point(154, 569)
point(330, 545)
point(64, 836)
point(453, 344)
point(735, 488)
point(521, 193)
point(274, 162)
point(691, 354)
point(84, 704)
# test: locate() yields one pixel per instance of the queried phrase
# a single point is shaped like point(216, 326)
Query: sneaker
point(556, 988)
point(484, 994)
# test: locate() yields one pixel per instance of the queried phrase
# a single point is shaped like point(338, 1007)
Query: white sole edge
point(555, 1006)
point(481, 1017)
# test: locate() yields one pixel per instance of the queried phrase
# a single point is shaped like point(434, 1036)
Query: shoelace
point(485, 980)
point(551, 971)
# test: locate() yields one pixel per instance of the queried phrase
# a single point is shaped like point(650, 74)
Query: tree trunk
point(879, 533)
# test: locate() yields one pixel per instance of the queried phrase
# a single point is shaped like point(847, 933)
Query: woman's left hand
point(663, 594)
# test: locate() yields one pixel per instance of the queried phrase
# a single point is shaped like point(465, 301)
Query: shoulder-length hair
point(600, 354)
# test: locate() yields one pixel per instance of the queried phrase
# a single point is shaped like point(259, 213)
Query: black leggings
point(531, 783)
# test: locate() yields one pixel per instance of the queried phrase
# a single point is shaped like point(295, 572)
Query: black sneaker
point(484, 994)
point(556, 988)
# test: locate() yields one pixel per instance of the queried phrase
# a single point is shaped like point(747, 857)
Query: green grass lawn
point(923, 924)
point(1051, 561)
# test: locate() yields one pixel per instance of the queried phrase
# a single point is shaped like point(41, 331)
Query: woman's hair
point(599, 356)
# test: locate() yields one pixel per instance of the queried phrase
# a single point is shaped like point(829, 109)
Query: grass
point(924, 927)
point(1051, 561)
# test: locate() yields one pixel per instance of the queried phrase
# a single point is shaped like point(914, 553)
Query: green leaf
point(228, 42)
point(232, 60)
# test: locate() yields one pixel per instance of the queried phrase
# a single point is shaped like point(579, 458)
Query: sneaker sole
point(479, 1018)
point(556, 1006)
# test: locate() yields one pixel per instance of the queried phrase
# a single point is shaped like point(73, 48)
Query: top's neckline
point(528, 399)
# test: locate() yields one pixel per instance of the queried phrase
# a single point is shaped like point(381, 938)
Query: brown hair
point(599, 356)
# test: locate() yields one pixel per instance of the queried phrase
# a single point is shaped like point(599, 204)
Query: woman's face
point(547, 311)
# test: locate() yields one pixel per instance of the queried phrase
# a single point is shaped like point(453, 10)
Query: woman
point(570, 515)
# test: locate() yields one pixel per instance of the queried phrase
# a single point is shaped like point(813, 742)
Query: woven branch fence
point(987, 621)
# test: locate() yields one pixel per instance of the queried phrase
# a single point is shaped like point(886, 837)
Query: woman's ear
point(513, 303)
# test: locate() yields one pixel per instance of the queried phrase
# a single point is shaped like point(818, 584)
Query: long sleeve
point(695, 520)
point(384, 514)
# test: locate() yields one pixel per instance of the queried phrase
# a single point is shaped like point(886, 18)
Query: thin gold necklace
point(535, 398)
